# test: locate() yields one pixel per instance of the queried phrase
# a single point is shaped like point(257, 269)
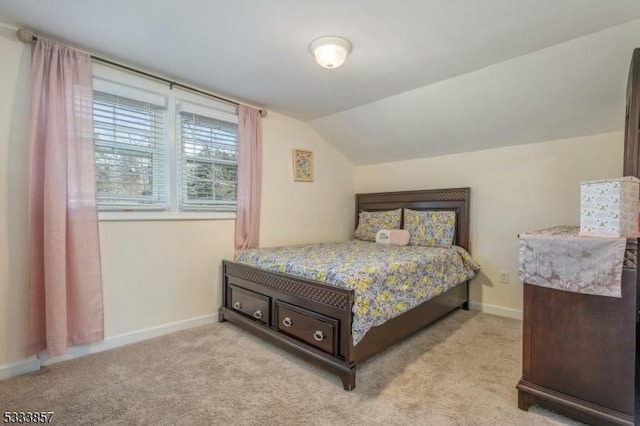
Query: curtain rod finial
point(25, 35)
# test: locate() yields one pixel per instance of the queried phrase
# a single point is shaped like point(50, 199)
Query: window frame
point(174, 96)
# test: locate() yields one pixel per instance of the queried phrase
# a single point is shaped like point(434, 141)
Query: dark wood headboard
point(453, 199)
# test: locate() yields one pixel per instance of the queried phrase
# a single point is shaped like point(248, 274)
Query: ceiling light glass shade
point(330, 52)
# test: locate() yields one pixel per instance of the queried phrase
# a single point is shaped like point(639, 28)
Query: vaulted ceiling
point(426, 77)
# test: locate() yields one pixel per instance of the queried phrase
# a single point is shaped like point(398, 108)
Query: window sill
point(152, 216)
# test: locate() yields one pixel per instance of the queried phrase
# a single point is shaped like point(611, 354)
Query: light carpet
point(461, 370)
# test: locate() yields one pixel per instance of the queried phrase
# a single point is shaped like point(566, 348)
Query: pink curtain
point(65, 284)
point(249, 176)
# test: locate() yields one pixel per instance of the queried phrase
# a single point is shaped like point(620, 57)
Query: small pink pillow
point(394, 237)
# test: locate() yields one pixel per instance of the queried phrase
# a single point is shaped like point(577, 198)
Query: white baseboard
point(34, 363)
point(28, 365)
point(496, 310)
point(128, 338)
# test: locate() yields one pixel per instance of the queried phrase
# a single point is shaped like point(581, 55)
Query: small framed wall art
point(302, 165)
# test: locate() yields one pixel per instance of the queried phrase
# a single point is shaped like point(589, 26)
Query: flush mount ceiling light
point(330, 52)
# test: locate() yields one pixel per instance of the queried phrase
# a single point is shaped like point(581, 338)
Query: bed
point(318, 320)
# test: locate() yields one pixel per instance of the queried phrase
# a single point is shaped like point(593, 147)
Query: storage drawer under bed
point(310, 327)
point(252, 304)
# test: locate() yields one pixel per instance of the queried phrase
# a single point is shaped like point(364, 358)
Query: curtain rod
point(29, 36)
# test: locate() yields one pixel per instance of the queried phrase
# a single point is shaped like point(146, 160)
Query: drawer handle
point(287, 322)
point(257, 314)
point(237, 305)
point(319, 336)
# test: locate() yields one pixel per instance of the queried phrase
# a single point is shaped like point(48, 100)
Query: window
point(209, 162)
point(147, 161)
point(129, 150)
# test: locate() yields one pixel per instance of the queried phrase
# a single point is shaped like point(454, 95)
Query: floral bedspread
point(387, 280)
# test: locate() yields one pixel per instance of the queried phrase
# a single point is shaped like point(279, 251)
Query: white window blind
point(208, 164)
point(130, 153)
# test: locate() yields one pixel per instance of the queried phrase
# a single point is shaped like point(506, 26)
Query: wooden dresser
point(580, 350)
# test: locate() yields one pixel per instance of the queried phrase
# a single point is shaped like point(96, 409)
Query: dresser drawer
point(312, 328)
point(249, 303)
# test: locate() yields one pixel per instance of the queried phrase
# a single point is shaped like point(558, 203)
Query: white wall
point(160, 272)
point(304, 212)
point(513, 189)
point(14, 108)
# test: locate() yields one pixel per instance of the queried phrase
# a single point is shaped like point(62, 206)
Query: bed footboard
point(312, 320)
point(309, 319)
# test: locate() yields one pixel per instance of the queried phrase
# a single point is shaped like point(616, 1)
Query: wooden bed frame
point(264, 303)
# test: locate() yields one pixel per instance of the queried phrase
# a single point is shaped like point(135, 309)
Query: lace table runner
point(558, 258)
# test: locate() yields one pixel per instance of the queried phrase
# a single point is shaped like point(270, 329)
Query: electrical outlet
point(504, 277)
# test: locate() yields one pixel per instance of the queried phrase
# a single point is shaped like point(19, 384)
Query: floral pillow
point(369, 223)
point(433, 228)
